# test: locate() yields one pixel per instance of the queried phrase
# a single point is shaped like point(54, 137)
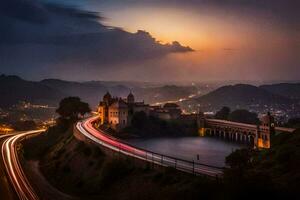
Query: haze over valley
point(281, 99)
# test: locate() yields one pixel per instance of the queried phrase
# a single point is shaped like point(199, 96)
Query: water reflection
point(211, 151)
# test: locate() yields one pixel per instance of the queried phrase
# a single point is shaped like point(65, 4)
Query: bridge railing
point(182, 164)
point(164, 160)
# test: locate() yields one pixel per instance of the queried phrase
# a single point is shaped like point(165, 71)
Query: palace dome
point(130, 98)
point(107, 97)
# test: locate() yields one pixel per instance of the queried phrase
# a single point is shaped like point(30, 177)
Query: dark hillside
point(14, 89)
point(243, 96)
point(289, 90)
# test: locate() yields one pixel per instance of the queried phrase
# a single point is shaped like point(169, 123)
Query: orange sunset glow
point(211, 29)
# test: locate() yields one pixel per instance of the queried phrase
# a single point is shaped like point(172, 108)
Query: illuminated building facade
point(117, 112)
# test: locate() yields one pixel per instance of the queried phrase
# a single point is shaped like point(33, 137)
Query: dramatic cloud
point(38, 38)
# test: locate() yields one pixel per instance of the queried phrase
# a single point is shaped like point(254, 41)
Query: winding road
point(24, 190)
point(12, 165)
point(86, 128)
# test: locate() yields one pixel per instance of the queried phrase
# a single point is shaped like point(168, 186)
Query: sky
point(255, 40)
point(203, 24)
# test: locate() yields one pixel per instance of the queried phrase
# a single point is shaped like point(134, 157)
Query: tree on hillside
point(223, 113)
point(243, 116)
point(241, 158)
point(72, 108)
point(272, 171)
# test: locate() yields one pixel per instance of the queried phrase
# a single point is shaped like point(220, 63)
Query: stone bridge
point(258, 136)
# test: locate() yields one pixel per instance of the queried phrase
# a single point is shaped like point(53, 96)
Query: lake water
point(211, 151)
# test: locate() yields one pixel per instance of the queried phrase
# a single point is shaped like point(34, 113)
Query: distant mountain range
point(242, 96)
point(13, 89)
point(90, 92)
point(164, 93)
point(289, 90)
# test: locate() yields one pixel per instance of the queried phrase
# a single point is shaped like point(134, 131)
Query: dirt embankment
point(41, 184)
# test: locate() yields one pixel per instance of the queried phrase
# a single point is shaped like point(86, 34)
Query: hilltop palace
point(117, 113)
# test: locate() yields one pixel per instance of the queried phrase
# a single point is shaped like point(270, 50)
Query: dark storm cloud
point(23, 10)
point(36, 37)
